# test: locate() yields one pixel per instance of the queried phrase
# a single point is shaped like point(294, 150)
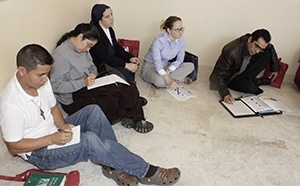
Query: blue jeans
point(97, 143)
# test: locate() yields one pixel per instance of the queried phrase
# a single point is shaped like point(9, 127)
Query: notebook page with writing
point(257, 105)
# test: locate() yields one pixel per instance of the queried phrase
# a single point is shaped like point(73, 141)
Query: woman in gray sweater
point(74, 70)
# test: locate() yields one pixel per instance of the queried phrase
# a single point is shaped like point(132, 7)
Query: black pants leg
point(127, 74)
point(246, 81)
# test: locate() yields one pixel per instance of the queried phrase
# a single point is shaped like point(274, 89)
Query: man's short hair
point(265, 34)
point(32, 55)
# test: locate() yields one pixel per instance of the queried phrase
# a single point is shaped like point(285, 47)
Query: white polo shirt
point(20, 115)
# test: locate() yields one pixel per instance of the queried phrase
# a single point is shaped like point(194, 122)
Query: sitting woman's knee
point(160, 83)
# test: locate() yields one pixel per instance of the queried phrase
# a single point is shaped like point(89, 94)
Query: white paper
point(257, 105)
point(181, 95)
point(275, 104)
point(75, 139)
point(107, 80)
point(238, 108)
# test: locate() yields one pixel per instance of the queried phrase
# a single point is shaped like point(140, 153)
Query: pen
point(260, 115)
point(60, 130)
point(86, 74)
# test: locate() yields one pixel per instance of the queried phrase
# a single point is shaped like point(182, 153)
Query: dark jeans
point(247, 81)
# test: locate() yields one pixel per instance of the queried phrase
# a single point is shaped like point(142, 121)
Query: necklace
point(41, 110)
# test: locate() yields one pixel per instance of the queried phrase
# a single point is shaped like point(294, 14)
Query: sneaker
point(128, 122)
point(141, 126)
point(143, 101)
point(119, 177)
point(162, 177)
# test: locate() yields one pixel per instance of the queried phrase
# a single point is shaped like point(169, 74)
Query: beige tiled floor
point(205, 142)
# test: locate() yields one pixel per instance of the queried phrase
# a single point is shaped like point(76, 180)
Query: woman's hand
point(90, 79)
point(169, 81)
point(132, 67)
point(135, 60)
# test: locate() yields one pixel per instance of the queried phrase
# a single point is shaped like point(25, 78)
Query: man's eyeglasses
point(258, 47)
point(179, 29)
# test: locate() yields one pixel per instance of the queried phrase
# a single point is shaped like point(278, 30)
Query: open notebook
point(75, 139)
point(107, 80)
point(254, 106)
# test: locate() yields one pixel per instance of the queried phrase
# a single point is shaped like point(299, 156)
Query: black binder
point(248, 107)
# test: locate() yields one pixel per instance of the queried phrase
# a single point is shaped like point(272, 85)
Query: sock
point(151, 171)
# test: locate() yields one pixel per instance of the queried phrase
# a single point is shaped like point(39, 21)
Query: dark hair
point(89, 31)
point(32, 55)
point(265, 34)
point(168, 23)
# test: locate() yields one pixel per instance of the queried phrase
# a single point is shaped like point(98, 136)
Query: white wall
point(34, 21)
point(210, 24)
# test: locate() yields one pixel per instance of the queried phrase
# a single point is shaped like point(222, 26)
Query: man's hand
point(61, 137)
point(66, 127)
point(228, 99)
point(31, 144)
point(273, 76)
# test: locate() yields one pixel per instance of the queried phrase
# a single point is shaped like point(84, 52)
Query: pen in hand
point(60, 130)
point(178, 90)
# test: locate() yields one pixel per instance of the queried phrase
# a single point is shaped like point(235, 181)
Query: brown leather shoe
point(162, 177)
point(119, 177)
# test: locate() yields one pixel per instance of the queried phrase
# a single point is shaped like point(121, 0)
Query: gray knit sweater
point(68, 71)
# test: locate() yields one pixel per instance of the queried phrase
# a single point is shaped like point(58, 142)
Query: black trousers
point(130, 77)
point(247, 81)
point(115, 101)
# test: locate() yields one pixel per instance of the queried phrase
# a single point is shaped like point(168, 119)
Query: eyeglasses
point(89, 45)
point(179, 29)
point(258, 47)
